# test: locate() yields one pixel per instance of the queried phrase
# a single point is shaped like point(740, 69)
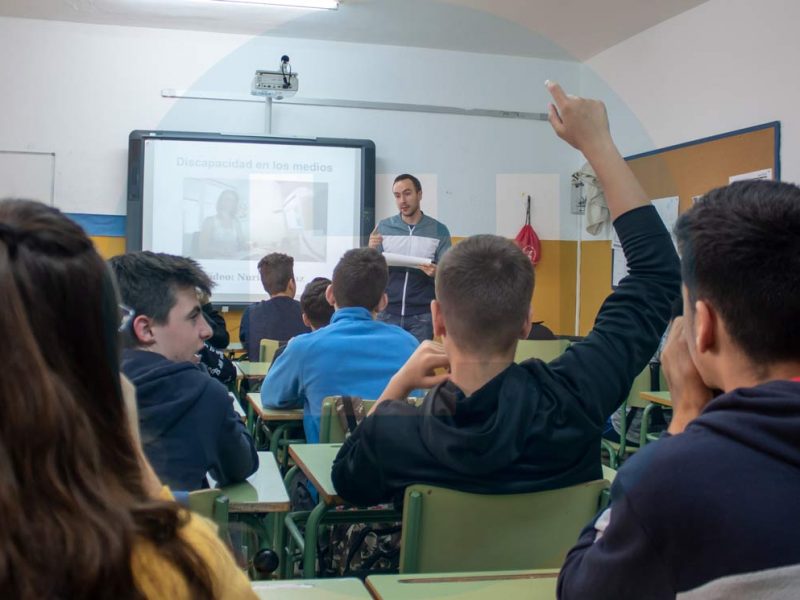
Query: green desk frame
point(315, 461)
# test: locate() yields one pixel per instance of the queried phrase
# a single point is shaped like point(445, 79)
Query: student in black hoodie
point(710, 511)
point(187, 421)
point(490, 425)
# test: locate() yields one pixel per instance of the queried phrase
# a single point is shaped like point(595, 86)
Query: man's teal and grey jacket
point(410, 291)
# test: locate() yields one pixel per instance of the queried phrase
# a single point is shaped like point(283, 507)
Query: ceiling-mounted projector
point(276, 84)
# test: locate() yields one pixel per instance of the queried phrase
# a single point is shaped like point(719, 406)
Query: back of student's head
point(148, 281)
point(73, 495)
point(740, 251)
point(360, 278)
point(314, 303)
point(276, 271)
point(484, 287)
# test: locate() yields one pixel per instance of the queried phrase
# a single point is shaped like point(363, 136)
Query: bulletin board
point(685, 171)
point(691, 169)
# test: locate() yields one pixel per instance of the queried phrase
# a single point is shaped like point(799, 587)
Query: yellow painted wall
point(109, 246)
point(595, 281)
point(554, 294)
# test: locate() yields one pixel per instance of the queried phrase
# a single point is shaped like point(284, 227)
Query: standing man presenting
point(410, 233)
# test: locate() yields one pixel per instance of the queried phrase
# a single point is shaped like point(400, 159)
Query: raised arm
point(583, 124)
point(596, 374)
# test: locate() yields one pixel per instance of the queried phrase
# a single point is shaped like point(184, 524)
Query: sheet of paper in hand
point(401, 260)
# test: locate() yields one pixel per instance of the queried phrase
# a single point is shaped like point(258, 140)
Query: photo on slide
point(249, 218)
point(215, 216)
point(289, 214)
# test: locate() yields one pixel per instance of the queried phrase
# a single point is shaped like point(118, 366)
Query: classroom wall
point(722, 66)
point(719, 67)
point(109, 81)
point(77, 90)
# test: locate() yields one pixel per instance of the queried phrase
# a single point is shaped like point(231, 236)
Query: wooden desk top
point(253, 370)
point(311, 589)
point(508, 585)
point(315, 461)
point(273, 414)
point(263, 492)
point(662, 398)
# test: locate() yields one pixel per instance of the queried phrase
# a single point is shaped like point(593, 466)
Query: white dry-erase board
point(29, 175)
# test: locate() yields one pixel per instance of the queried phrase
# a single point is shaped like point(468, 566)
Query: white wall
point(78, 90)
point(725, 65)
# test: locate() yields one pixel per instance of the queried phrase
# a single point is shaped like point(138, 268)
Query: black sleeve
point(598, 370)
point(356, 472)
point(220, 337)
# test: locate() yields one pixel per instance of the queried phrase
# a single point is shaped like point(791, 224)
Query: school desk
point(263, 492)
point(312, 589)
point(281, 420)
point(255, 372)
point(252, 370)
point(233, 349)
point(315, 461)
point(273, 414)
point(662, 398)
point(505, 585)
point(655, 399)
point(261, 501)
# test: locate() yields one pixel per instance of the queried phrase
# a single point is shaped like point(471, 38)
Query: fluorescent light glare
point(327, 4)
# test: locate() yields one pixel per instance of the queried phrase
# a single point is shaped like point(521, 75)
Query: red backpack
point(527, 239)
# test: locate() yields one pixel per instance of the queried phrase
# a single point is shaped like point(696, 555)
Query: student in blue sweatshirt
point(186, 417)
point(354, 355)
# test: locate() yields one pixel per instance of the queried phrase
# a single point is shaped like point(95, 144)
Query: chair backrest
point(213, 505)
point(618, 450)
point(642, 383)
point(609, 474)
point(445, 530)
point(546, 350)
point(330, 428)
point(267, 350)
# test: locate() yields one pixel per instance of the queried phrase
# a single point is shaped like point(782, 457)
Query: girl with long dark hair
point(81, 513)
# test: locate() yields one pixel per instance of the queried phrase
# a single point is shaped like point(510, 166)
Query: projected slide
point(246, 219)
point(228, 204)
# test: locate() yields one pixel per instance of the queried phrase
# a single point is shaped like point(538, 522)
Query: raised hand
point(581, 122)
